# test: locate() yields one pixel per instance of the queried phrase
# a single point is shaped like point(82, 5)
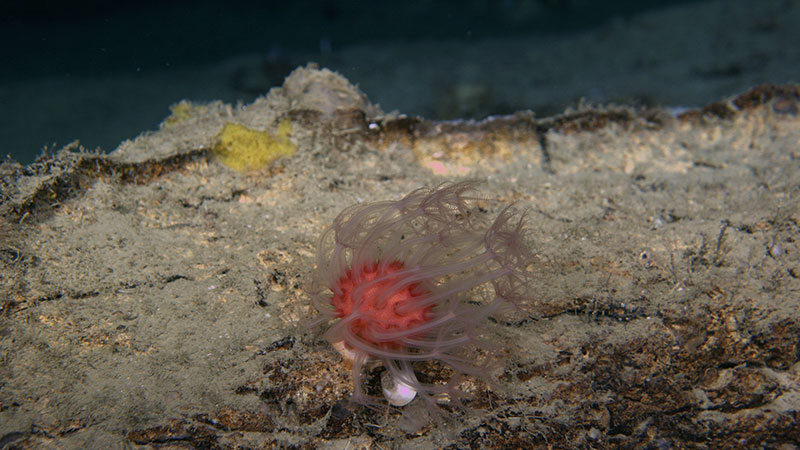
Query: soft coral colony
point(410, 281)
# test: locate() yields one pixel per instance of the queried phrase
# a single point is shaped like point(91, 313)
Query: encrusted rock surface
point(154, 297)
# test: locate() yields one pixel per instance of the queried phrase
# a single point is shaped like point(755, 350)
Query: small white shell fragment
point(397, 393)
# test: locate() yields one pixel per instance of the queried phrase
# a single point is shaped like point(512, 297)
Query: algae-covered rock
point(153, 295)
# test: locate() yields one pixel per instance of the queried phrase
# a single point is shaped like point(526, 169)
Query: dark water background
point(59, 58)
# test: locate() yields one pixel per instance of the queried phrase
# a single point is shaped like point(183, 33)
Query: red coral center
point(383, 305)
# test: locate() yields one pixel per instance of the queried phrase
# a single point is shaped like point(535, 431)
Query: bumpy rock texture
point(153, 296)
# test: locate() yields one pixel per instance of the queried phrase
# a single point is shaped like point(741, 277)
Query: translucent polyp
point(414, 280)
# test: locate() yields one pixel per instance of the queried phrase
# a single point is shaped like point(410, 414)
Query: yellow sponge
point(244, 149)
